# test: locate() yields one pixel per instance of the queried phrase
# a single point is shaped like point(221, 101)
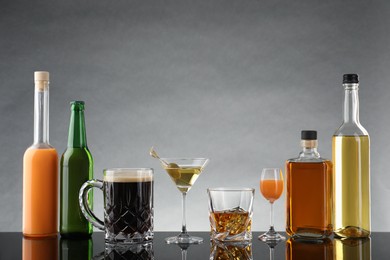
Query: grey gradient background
point(231, 80)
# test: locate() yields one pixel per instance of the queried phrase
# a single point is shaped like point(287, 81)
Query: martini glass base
point(184, 240)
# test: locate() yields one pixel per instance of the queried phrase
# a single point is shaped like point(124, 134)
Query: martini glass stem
point(184, 225)
point(183, 254)
point(271, 253)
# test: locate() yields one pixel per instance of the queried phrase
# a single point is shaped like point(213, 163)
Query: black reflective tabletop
point(14, 246)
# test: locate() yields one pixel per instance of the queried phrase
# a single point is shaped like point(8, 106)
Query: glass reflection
point(300, 249)
point(40, 248)
point(271, 246)
point(183, 248)
point(230, 250)
point(76, 249)
point(121, 252)
point(356, 249)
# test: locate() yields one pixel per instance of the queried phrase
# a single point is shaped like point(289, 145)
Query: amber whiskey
point(309, 192)
point(233, 222)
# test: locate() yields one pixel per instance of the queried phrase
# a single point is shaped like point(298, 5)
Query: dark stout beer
point(128, 203)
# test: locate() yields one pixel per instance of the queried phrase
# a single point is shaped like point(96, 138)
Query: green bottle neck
point(77, 134)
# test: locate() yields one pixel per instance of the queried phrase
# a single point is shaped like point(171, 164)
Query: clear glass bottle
point(40, 170)
point(76, 167)
point(309, 191)
point(351, 158)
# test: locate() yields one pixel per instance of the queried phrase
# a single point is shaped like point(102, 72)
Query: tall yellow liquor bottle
point(351, 159)
point(309, 192)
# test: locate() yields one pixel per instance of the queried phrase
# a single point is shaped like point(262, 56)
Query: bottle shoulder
point(350, 129)
point(34, 149)
point(307, 160)
point(80, 153)
point(45, 155)
point(298, 165)
point(41, 146)
point(308, 156)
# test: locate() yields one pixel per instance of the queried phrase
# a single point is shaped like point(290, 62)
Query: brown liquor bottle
point(309, 192)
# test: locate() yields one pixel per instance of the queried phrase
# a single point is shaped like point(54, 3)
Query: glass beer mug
point(128, 204)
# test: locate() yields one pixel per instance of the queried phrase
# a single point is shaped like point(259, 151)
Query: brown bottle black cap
point(309, 135)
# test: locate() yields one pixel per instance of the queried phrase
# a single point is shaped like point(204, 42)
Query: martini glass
point(184, 172)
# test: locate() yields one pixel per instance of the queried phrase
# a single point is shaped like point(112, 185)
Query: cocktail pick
point(154, 154)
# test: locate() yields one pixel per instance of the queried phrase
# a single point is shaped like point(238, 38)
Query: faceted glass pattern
point(128, 214)
point(130, 252)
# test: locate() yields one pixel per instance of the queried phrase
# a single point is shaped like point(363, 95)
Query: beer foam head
point(128, 175)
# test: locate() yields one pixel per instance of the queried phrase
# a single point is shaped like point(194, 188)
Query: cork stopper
point(309, 143)
point(41, 79)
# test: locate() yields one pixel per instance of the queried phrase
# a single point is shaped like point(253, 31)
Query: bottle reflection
point(40, 248)
point(230, 250)
point(352, 249)
point(299, 249)
point(133, 252)
point(76, 249)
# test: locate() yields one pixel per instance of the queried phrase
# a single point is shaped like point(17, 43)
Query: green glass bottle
point(76, 167)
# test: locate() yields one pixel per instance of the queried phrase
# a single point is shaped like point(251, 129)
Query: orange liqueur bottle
point(40, 173)
point(309, 192)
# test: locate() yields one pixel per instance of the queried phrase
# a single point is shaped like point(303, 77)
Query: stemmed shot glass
point(271, 186)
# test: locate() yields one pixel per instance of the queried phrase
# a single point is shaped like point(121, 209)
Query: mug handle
point(83, 201)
